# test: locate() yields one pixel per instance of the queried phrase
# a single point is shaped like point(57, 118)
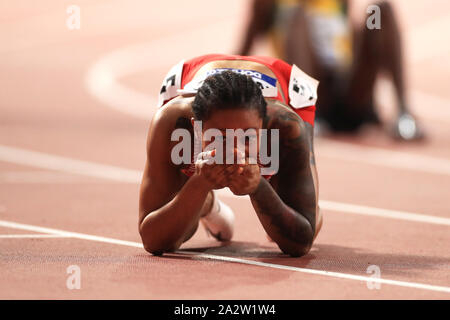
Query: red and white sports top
point(299, 89)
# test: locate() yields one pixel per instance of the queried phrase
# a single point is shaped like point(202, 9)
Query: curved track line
point(102, 80)
point(58, 163)
point(383, 157)
point(30, 236)
point(383, 213)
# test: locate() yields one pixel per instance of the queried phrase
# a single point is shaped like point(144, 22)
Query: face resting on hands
point(245, 179)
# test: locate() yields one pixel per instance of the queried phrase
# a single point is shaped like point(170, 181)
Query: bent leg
point(299, 51)
point(298, 46)
point(376, 50)
point(261, 17)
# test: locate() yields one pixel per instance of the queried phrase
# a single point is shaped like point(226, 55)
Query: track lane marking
point(369, 211)
point(382, 213)
point(42, 177)
point(340, 275)
point(30, 236)
point(196, 255)
point(59, 163)
point(118, 174)
point(28, 227)
point(382, 157)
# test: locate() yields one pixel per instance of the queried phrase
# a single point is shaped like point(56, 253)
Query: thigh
point(365, 66)
point(298, 45)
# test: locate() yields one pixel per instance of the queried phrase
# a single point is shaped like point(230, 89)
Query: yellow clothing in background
point(328, 25)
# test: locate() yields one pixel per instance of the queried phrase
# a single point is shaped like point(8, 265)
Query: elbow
point(157, 248)
point(297, 249)
point(152, 247)
point(154, 244)
point(149, 241)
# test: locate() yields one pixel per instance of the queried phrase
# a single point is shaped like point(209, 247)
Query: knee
point(296, 249)
point(152, 249)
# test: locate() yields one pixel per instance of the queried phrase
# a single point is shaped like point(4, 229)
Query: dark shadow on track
point(356, 260)
point(333, 258)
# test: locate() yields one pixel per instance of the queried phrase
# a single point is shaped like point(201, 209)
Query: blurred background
point(53, 75)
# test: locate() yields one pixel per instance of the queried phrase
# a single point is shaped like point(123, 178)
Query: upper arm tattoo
point(295, 183)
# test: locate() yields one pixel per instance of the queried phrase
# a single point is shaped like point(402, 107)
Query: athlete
point(320, 38)
point(231, 92)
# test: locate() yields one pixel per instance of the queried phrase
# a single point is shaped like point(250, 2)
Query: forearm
point(288, 228)
point(166, 228)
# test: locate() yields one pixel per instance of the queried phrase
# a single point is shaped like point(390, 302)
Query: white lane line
point(47, 161)
point(383, 213)
point(340, 275)
point(30, 236)
point(52, 162)
point(368, 211)
point(41, 177)
point(382, 157)
point(330, 149)
point(14, 225)
point(424, 105)
point(62, 233)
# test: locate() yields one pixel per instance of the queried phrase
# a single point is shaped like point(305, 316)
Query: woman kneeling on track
point(226, 94)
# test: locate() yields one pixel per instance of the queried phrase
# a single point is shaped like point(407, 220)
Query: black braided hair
point(228, 90)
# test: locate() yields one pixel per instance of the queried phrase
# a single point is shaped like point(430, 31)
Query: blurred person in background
point(319, 37)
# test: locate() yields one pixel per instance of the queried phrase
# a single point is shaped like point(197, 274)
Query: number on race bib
point(302, 89)
point(171, 83)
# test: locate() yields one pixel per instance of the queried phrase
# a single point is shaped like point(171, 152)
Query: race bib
point(171, 83)
point(302, 89)
point(267, 84)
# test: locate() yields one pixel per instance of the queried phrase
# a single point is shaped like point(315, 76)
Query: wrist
point(199, 183)
point(259, 187)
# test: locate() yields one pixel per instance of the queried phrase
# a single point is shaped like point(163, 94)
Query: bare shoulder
point(174, 114)
point(172, 110)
